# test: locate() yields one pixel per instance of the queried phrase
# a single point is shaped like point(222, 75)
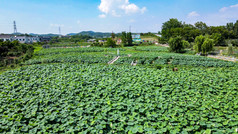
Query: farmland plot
point(65, 98)
point(148, 58)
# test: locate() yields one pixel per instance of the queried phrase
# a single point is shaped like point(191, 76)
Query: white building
point(92, 40)
point(21, 39)
point(6, 37)
point(101, 41)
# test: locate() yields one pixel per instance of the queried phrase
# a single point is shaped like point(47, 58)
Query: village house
point(45, 38)
point(102, 41)
point(136, 38)
point(21, 39)
point(118, 41)
point(6, 37)
point(92, 40)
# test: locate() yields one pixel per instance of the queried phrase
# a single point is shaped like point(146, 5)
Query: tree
point(219, 29)
point(129, 39)
point(172, 23)
point(201, 26)
point(190, 33)
point(124, 38)
point(176, 45)
point(198, 43)
point(230, 26)
point(167, 26)
point(203, 44)
point(186, 44)
point(230, 49)
point(113, 35)
point(110, 43)
point(218, 39)
point(236, 28)
point(234, 43)
point(207, 46)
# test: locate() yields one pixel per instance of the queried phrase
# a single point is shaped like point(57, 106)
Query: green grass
point(224, 51)
point(37, 48)
point(70, 44)
point(149, 38)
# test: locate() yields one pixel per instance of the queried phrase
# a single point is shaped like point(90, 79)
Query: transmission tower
point(59, 31)
point(15, 27)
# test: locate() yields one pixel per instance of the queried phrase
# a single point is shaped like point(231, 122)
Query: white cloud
point(225, 15)
point(130, 8)
point(114, 13)
point(102, 16)
point(221, 17)
point(193, 14)
point(228, 8)
point(223, 9)
point(118, 8)
point(234, 6)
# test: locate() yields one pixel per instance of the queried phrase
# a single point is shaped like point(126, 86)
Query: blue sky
point(45, 16)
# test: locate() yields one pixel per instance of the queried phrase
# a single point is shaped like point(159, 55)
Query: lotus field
point(76, 91)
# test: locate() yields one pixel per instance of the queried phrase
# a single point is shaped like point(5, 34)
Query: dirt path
point(73, 47)
point(164, 45)
point(115, 59)
point(224, 58)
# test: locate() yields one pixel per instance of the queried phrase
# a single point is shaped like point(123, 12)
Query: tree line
point(189, 32)
point(14, 52)
point(73, 39)
point(126, 40)
point(203, 38)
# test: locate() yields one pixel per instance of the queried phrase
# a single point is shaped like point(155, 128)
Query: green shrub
point(186, 44)
point(218, 39)
point(207, 46)
point(176, 45)
point(198, 43)
point(203, 44)
point(234, 43)
point(230, 49)
point(110, 43)
point(162, 40)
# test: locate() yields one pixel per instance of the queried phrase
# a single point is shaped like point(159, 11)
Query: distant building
point(158, 35)
point(136, 38)
point(26, 39)
point(6, 37)
point(92, 40)
point(101, 41)
point(45, 38)
point(119, 41)
point(21, 39)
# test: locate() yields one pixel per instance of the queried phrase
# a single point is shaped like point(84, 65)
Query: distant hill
point(48, 35)
point(92, 33)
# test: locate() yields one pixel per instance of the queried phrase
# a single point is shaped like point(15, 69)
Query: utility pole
point(15, 27)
